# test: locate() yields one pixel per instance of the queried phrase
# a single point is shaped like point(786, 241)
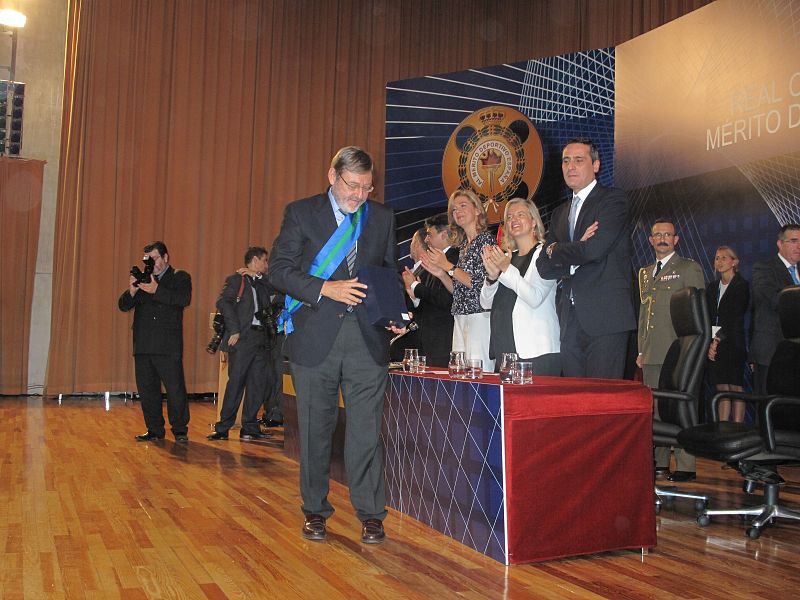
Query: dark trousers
point(363, 382)
point(760, 379)
point(247, 370)
point(151, 371)
point(273, 405)
point(584, 355)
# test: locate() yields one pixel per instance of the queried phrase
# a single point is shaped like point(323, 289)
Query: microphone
point(409, 328)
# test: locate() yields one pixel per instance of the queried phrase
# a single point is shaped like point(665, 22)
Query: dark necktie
point(351, 258)
point(658, 268)
point(573, 215)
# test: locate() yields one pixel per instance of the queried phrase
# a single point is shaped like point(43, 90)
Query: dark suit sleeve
point(226, 303)
point(285, 264)
point(175, 291)
point(612, 217)
point(390, 257)
point(551, 268)
point(437, 295)
point(766, 285)
point(127, 302)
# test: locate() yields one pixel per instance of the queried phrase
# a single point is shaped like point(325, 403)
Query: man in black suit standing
point(588, 248)
point(330, 343)
point(245, 306)
point(158, 343)
point(769, 278)
point(431, 299)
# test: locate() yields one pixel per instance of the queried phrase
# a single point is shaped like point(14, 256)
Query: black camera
point(219, 330)
point(145, 276)
point(264, 314)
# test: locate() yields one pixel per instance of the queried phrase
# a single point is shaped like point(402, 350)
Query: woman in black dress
point(728, 299)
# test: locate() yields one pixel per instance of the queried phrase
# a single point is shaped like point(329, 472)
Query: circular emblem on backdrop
point(497, 153)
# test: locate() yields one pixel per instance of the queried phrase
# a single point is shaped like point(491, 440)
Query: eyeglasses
point(658, 235)
point(367, 189)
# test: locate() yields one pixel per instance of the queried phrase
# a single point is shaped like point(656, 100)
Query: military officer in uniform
point(657, 283)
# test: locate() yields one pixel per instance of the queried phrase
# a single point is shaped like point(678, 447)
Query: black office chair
point(680, 380)
point(757, 450)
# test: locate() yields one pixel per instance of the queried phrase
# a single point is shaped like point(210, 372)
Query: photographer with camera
point(158, 296)
point(245, 306)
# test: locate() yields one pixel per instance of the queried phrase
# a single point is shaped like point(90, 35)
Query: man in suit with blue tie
point(769, 278)
point(588, 248)
point(330, 341)
point(245, 306)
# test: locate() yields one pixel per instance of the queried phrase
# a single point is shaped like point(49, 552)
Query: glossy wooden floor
point(86, 512)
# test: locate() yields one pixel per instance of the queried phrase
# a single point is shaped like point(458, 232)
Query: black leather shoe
point(182, 438)
point(217, 436)
point(662, 473)
point(272, 423)
point(372, 532)
point(679, 476)
point(149, 436)
point(251, 436)
point(314, 528)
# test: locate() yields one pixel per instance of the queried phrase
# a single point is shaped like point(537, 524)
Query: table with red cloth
point(523, 473)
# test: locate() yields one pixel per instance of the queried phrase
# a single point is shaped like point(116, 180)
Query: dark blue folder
point(385, 301)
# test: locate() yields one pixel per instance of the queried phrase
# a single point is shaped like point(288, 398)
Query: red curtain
point(20, 207)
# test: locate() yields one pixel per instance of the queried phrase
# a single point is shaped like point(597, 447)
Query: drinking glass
point(419, 364)
point(523, 372)
point(474, 368)
point(411, 354)
point(507, 366)
point(457, 365)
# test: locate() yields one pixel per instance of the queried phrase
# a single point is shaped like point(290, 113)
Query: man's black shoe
point(252, 436)
point(217, 436)
point(182, 438)
point(679, 476)
point(662, 473)
point(149, 436)
point(272, 423)
point(314, 528)
point(372, 531)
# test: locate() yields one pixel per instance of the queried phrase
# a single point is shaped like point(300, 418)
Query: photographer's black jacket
point(158, 318)
point(239, 314)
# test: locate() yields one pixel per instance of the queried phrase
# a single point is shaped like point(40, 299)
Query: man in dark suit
point(330, 343)
point(769, 278)
point(588, 248)
point(244, 303)
point(431, 299)
point(158, 343)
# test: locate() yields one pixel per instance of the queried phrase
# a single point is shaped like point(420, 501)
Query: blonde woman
point(523, 305)
point(728, 299)
point(467, 220)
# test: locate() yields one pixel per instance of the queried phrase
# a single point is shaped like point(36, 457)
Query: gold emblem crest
point(497, 153)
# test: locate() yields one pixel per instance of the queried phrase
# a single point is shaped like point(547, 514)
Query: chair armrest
point(672, 395)
point(767, 426)
point(747, 397)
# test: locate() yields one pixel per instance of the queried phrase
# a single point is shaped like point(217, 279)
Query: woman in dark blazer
point(728, 299)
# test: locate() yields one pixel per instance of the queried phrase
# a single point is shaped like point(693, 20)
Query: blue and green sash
point(327, 260)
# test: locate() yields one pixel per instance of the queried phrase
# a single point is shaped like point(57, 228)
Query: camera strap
point(241, 291)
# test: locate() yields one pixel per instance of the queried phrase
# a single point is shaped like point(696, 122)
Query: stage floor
point(87, 512)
